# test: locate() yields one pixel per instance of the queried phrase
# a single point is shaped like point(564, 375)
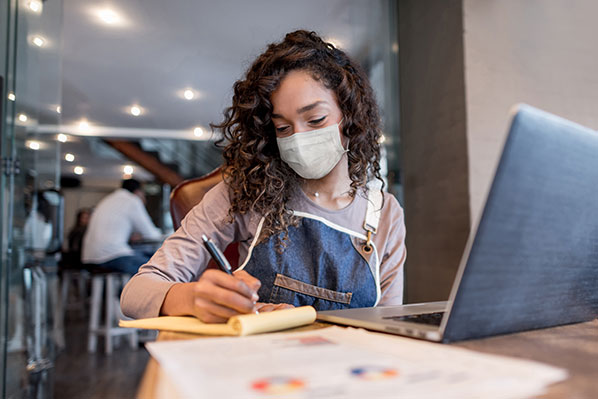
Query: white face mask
point(313, 154)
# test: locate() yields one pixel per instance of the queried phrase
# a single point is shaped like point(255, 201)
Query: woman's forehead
point(298, 91)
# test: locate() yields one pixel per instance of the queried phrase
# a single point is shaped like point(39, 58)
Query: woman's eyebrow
point(310, 107)
point(302, 109)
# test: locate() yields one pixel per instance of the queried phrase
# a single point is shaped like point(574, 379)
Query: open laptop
point(532, 260)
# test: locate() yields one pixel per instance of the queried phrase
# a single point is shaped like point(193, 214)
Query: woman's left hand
point(269, 307)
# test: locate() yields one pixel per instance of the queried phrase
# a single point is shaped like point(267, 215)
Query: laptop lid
point(533, 260)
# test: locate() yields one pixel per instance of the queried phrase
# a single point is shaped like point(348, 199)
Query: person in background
point(114, 220)
point(302, 195)
point(72, 257)
point(38, 227)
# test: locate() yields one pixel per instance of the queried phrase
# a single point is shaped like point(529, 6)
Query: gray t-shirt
point(183, 257)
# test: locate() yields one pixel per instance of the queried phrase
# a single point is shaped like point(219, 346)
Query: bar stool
point(112, 281)
point(73, 277)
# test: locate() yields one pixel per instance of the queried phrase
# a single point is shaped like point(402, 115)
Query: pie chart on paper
point(374, 373)
point(278, 385)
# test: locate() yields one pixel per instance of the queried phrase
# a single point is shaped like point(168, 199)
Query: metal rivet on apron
point(367, 247)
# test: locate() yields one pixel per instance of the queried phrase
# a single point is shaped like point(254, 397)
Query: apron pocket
point(300, 287)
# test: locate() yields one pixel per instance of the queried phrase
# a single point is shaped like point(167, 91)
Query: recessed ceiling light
point(128, 170)
point(11, 96)
point(78, 170)
point(189, 94)
point(69, 157)
point(335, 42)
point(109, 16)
point(38, 41)
point(58, 109)
point(135, 110)
point(84, 126)
point(62, 137)
point(23, 118)
point(35, 6)
point(34, 145)
point(198, 132)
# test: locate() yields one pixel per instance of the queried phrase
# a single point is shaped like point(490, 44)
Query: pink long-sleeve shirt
point(183, 258)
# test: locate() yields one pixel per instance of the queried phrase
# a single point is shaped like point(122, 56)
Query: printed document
point(337, 362)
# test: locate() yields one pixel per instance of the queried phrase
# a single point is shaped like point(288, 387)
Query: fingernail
point(255, 297)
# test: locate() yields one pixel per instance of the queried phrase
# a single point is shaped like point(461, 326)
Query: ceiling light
point(34, 145)
point(69, 157)
point(108, 16)
point(335, 42)
point(198, 132)
point(78, 170)
point(135, 110)
point(58, 109)
point(62, 137)
point(35, 6)
point(382, 139)
point(11, 96)
point(23, 118)
point(128, 170)
point(38, 41)
point(84, 126)
point(189, 94)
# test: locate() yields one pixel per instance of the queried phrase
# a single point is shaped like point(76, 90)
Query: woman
point(72, 258)
point(299, 195)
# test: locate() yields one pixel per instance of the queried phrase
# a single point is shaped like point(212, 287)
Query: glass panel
point(32, 204)
point(9, 295)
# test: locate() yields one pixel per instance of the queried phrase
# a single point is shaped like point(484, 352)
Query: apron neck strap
point(374, 207)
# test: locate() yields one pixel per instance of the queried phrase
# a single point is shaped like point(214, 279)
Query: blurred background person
point(38, 226)
point(72, 256)
point(113, 222)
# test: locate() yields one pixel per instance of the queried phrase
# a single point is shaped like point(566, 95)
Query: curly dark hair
point(257, 178)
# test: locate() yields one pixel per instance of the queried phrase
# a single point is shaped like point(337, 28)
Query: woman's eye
point(281, 129)
point(317, 121)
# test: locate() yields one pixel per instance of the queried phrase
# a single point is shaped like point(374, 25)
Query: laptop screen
point(534, 260)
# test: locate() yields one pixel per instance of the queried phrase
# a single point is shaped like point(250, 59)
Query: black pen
point(217, 255)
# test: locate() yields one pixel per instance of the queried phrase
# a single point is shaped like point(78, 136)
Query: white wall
point(541, 52)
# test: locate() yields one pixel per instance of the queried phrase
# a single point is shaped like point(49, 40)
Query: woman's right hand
point(214, 298)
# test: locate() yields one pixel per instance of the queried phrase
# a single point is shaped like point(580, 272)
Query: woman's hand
point(269, 307)
point(214, 298)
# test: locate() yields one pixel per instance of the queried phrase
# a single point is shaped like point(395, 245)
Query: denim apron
point(323, 264)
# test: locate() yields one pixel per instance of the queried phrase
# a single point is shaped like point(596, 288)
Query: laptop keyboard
point(425, 318)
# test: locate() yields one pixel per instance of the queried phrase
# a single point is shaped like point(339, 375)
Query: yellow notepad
point(246, 324)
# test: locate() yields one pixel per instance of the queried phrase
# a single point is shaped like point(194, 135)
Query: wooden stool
point(112, 280)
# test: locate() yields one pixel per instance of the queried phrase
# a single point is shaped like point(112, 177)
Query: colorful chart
point(374, 373)
point(278, 385)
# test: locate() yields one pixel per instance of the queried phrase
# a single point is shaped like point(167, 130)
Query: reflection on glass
point(30, 33)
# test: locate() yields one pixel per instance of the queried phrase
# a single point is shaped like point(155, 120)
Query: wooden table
point(573, 347)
